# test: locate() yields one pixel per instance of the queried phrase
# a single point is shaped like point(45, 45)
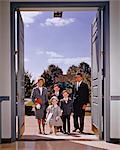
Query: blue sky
point(62, 41)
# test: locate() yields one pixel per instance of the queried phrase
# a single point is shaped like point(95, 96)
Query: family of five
point(57, 110)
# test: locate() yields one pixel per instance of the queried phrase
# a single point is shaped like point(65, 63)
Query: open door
point(20, 76)
point(96, 76)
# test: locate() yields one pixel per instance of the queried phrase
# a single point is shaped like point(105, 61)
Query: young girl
point(53, 115)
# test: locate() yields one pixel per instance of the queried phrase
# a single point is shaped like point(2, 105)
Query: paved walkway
point(32, 132)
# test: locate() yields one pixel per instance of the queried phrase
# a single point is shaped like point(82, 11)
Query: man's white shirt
point(78, 84)
point(57, 93)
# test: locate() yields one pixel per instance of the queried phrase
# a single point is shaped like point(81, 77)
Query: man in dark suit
point(81, 98)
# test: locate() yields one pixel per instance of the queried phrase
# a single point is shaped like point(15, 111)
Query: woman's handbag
point(38, 102)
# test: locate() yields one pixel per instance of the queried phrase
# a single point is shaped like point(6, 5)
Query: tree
point(54, 71)
point(86, 71)
point(51, 75)
point(48, 78)
point(72, 70)
point(85, 68)
point(29, 84)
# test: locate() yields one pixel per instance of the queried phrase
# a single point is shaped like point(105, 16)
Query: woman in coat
point(40, 99)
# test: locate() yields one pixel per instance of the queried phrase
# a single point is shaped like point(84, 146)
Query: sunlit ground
point(32, 131)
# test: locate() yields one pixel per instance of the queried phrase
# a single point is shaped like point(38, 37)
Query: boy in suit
point(67, 109)
point(57, 92)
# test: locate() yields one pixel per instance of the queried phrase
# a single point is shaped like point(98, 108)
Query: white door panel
point(96, 76)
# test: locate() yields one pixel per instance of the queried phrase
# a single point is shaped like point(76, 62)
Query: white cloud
point(29, 17)
point(26, 60)
point(50, 54)
point(39, 52)
point(58, 22)
point(53, 54)
point(69, 61)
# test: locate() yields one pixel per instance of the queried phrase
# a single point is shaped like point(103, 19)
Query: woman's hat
point(41, 78)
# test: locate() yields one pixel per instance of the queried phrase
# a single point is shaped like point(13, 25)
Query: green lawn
point(29, 103)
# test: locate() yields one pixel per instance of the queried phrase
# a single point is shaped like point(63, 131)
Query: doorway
point(63, 6)
point(62, 47)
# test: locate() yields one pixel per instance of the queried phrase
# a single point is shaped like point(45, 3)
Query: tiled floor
point(46, 145)
point(100, 144)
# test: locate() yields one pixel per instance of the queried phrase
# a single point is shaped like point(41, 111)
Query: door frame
point(20, 74)
point(14, 6)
